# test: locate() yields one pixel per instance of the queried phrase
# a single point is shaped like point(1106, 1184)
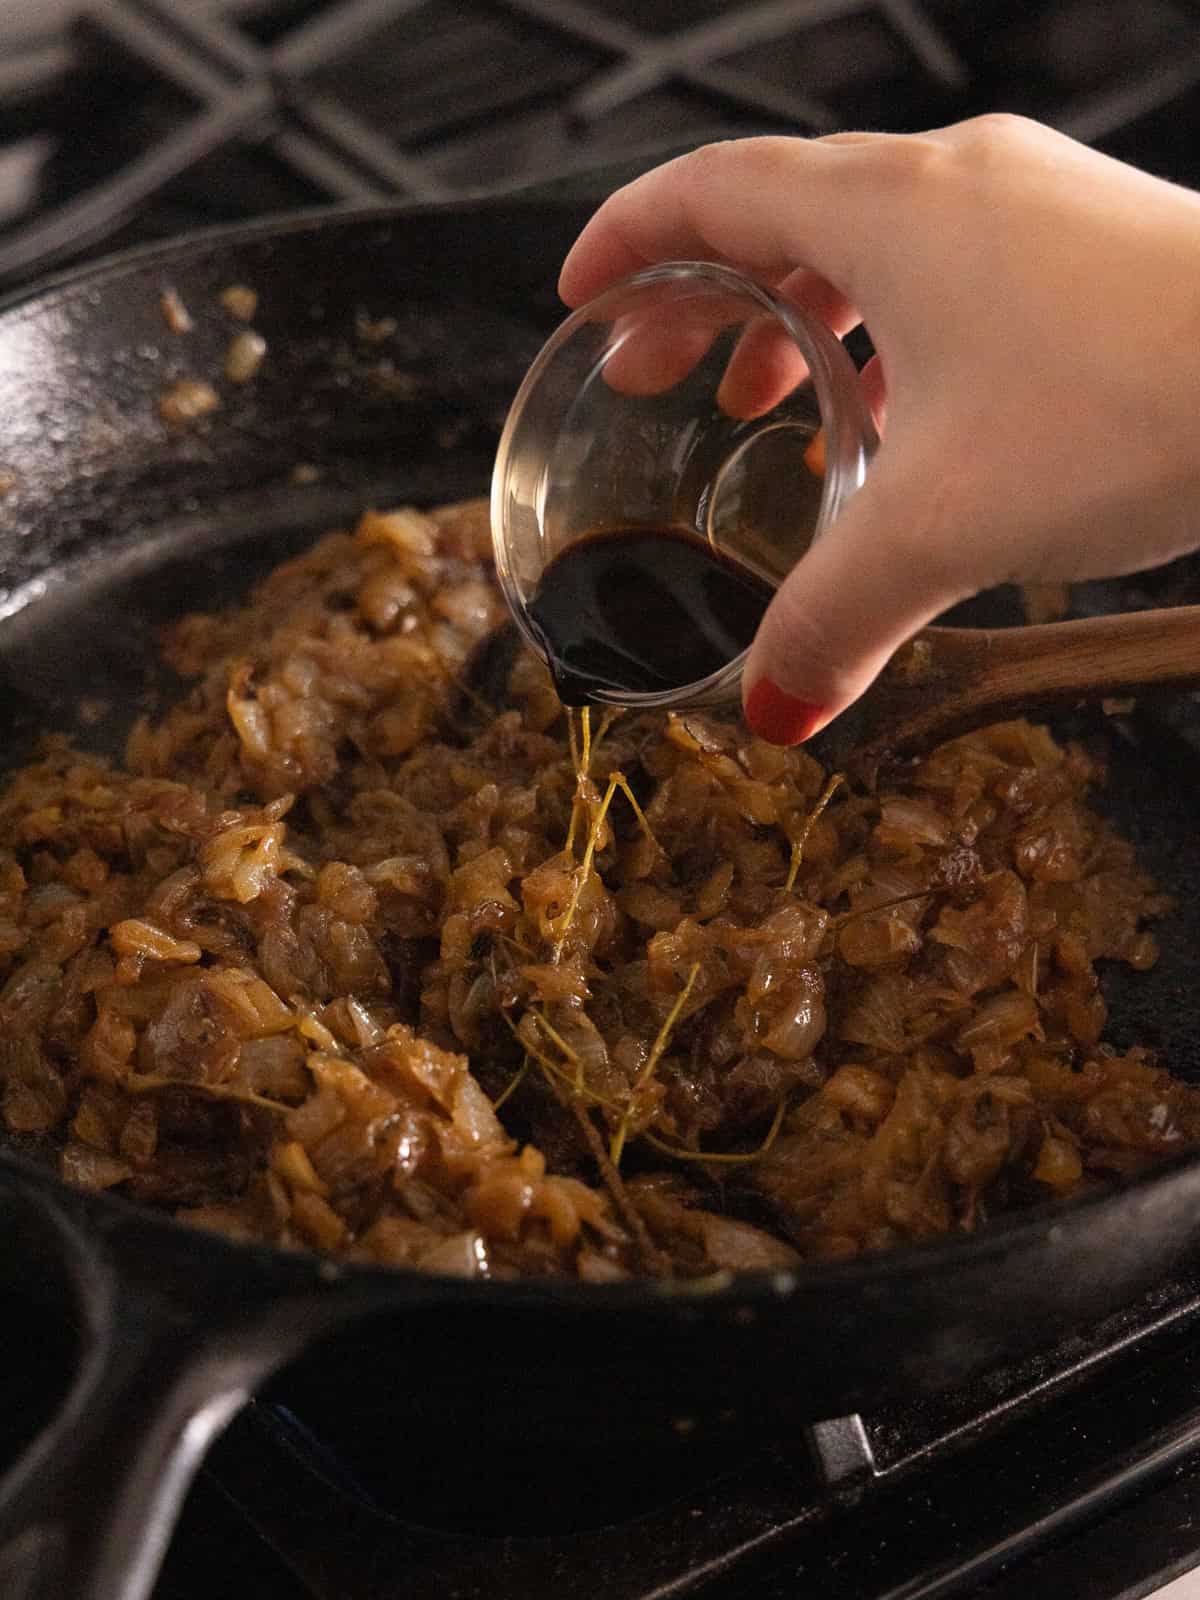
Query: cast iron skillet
point(113, 524)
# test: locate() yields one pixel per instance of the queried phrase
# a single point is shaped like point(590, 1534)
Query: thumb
point(878, 575)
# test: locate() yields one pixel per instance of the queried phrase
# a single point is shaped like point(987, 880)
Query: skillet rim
point(724, 1291)
point(273, 225)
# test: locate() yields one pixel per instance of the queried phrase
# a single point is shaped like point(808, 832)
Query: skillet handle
point(90, 1517)
point(87, 1512)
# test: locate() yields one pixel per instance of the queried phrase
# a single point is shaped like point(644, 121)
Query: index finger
point(763, 205)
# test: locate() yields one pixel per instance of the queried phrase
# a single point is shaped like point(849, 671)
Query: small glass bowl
point(686, 396)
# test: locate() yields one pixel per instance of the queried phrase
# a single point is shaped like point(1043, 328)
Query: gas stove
point(1074, 1474)
point(124, 120)
point(1077, 1473)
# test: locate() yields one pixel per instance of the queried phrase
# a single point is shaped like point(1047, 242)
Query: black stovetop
point(1077, 1474)
point(132, 119)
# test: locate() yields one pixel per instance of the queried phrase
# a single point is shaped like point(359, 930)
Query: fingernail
point(780, 717)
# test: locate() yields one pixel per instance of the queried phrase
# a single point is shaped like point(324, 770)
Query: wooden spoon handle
point(948, 680)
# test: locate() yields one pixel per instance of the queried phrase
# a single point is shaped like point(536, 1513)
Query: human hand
point(1035, 311)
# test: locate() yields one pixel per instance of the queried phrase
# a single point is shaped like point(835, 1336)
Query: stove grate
point(365, 100)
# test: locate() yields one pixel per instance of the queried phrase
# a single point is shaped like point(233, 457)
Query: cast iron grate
point(1080, 1465)
point(171, 112)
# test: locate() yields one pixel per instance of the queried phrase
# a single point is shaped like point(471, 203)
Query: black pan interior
point(115, 523)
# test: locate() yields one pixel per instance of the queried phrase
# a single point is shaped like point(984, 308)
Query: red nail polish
point(780, 717)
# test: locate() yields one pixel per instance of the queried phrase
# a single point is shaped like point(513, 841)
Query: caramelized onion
point(362, 950)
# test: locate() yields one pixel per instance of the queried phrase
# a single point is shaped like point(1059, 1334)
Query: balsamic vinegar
point(643, 609)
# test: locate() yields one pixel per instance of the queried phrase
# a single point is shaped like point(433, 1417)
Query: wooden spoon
point(947, 681)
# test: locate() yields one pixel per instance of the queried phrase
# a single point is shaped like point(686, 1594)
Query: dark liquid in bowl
point(644, 610)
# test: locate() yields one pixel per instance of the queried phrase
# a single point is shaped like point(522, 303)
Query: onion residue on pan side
point(344, 957)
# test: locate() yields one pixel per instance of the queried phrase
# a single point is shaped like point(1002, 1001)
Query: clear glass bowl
point(686, 396)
